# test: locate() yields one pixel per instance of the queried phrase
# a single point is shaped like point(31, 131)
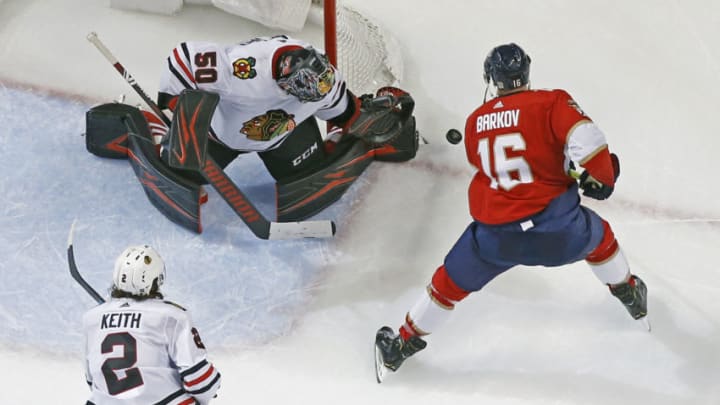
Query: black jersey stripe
point(186, 53)
point(194, 369)
point(178, 75)
point(340, 96)
point(168, 399)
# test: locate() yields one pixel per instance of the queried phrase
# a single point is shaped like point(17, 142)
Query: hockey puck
point(453, 136)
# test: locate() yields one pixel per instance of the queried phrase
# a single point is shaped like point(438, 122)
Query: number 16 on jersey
point(493, 152)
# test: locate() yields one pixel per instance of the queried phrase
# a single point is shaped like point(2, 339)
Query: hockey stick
point(93, 38)
point(74, 270)
point(259, 225)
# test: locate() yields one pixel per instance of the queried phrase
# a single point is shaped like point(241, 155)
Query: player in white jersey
point(271, 89)
point(140, 349)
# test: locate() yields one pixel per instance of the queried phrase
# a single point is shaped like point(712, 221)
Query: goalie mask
point(137, 269)
point(305, 73)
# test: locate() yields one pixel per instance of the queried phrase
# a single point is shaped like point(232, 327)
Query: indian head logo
point(243, 68)
point(269, 125)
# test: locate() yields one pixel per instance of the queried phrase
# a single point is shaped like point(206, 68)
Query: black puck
point(453, 136)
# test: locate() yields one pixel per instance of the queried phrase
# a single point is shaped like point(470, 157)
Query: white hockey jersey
point(254, 113)
point(146, 352)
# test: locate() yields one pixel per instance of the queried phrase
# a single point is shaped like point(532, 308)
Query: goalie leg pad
point(188, 137)
point(107, 128)
point(177, 197)
point(299, 198)
point(121, 131)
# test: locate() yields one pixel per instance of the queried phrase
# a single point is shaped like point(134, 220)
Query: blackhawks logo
point(269, 125)
point(243, 68)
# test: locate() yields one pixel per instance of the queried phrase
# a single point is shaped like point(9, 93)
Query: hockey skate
point(633, 295)
point(391, 351)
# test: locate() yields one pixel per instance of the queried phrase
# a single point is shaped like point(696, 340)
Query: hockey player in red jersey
point(524, 202)
point(140, 349)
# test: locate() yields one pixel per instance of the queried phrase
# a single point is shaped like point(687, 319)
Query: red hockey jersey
point(522, 144)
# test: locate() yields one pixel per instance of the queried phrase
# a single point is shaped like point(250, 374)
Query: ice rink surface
point(294, 321)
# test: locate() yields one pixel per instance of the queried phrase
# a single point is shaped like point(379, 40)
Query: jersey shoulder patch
point(175, 305)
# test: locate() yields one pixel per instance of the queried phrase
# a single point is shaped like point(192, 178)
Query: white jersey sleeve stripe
point(202, 378)
point(210, 388)
point(180, 77)
point(194, 369)
point(184, 65)
point(584, 142)
point(339, 97)
point(338, 104)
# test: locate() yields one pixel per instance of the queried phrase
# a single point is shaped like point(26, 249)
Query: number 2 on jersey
point(504, 165)
point(132, 378)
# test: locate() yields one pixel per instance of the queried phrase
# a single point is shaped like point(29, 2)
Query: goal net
point(366, 53)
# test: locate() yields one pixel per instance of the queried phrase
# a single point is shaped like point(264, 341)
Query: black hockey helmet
point(305, 73)
point(508, 66)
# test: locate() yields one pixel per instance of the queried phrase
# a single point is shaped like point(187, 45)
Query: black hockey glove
point(382, 116)
point(593, 188)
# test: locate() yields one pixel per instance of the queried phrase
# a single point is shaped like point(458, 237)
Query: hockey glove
point(382, 116)
point(595, 189)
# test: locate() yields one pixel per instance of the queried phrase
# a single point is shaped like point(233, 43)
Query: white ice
point(293, 322)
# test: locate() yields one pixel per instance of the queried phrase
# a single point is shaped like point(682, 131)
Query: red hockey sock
point(606, 248)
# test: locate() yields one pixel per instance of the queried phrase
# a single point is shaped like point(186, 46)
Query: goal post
point(330, 29)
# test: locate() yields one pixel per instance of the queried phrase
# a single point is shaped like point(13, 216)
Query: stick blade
point(303, 229)
point(75, 273)
point(70, 234)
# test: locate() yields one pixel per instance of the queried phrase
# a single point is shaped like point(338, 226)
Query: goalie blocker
point(384, 131)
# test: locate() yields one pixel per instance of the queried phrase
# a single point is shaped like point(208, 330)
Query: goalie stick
point(93, 38)
point(258, 224)
point(74, 270)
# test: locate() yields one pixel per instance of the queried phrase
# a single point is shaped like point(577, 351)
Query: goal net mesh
point(367, 54)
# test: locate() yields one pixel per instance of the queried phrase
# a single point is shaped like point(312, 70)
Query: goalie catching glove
point(382, 117)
